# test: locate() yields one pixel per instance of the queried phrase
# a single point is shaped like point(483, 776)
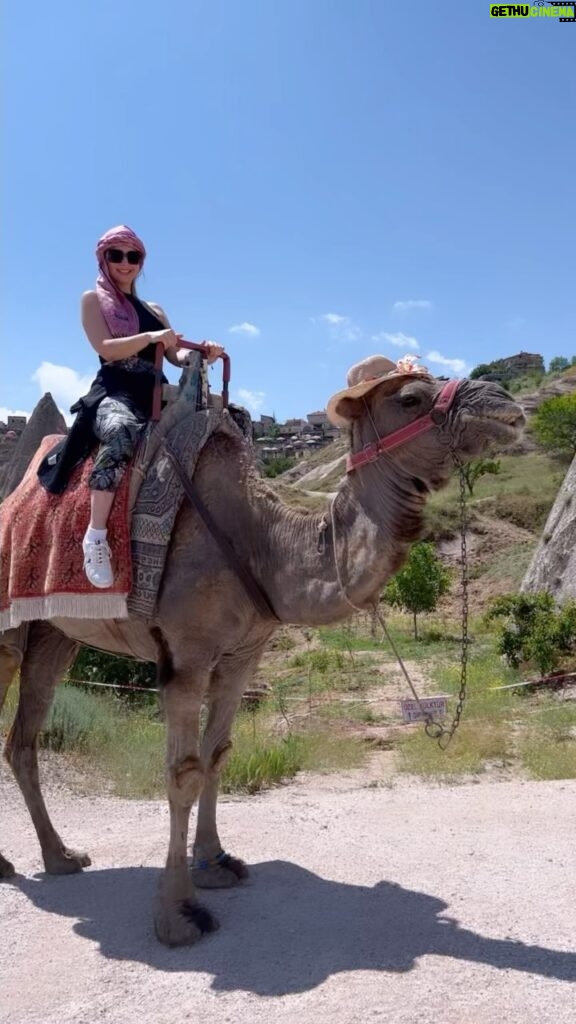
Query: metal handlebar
point(197, 347)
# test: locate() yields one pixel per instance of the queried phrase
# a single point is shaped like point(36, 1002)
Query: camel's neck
point(309, 572)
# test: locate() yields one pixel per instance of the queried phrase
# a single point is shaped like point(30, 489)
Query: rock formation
point(46, 419)
point(553, 566)
point(565, 384)
point(8, 444)
point(512, 367)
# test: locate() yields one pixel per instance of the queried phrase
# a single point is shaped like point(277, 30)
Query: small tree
point(480, 370)
point(554, 423)
point(420, 583)
point(472, 471)
point(558, 364)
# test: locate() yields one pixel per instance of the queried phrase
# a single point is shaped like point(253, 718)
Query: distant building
point(294, 426)
point(318, 419)
point(262, 427)
point(16, 423)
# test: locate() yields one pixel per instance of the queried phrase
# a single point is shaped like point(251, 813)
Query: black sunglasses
point(117, 256)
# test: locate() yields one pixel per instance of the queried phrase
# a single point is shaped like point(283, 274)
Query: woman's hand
point(168, 338)
point(213, 351)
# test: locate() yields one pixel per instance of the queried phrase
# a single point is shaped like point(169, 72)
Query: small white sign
point(435, 706)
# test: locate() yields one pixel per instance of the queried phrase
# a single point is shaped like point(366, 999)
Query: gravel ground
point(411, 903)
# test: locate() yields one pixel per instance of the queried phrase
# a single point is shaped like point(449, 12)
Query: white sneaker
point(97, 565)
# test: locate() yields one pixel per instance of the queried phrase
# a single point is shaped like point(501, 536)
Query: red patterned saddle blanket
point(41, 559)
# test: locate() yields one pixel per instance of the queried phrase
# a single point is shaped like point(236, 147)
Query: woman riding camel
point(124, 331)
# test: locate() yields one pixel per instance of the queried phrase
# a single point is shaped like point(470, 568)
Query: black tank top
point(134, 378)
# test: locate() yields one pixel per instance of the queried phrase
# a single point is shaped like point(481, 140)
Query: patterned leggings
point(119, 426)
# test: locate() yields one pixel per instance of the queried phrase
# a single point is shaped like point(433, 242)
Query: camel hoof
point(65, 862)
point(183, 926)
point(221, 873)
point(7, 870)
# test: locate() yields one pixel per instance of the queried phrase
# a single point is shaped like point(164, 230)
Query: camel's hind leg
point(214, 869)
point(12, 645)
point(48, 655)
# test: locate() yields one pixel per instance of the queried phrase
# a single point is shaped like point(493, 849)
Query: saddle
point(41, 558)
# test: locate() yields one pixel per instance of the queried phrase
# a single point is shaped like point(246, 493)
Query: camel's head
point(416, 423)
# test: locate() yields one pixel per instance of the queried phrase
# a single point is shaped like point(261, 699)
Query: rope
point(114, 686)
point(435, 729)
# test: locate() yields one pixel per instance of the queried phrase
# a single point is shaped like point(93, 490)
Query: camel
point(208, 634)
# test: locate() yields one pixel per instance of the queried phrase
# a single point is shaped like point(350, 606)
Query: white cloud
point(341, 327)
point(253, 400)
point(5, 413)
point(64, 384)
point(245, 328)
point(334, 319)
point(457, 365)
point(404, 341)
point(405, 304)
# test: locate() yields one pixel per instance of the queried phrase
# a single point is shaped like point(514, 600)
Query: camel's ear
point(351, 408)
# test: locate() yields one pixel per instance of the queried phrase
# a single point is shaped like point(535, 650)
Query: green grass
point(511, 565)
point(523, 493)
point(261, 759)
point(437, 637)
point(318, 704)
point(500, 728)
point(124, 748)
point(548, 747)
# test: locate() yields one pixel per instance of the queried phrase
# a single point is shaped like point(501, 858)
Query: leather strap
point(253, 588)
point(371, 452)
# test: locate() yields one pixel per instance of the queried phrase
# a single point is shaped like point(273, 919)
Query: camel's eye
point(409, 401)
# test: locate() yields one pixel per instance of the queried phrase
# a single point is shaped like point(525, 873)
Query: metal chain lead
point(446, 735)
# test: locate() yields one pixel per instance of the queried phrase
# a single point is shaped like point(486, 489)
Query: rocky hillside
point(525, 364)
point(563, 384)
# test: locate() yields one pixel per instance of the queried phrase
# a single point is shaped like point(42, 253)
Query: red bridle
point(370, 452)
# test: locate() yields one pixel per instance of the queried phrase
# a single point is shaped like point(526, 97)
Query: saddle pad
point(41, 559)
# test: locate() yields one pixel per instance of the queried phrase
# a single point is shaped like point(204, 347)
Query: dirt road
point(413, 904)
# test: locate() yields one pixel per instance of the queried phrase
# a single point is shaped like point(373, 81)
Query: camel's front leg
point(179, 919)
point(213, 868)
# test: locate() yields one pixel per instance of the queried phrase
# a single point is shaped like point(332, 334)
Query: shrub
point(99, 666)
point(534, 630)
point(78, 721)
point(554, 423)
point(279, 465)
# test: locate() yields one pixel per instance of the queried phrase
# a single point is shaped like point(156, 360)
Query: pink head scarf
point(118, 312)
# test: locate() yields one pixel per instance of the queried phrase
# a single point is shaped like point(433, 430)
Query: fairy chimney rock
point(45, 419)
point(553, 565)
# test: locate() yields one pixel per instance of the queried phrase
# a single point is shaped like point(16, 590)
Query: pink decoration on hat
point(409, 364)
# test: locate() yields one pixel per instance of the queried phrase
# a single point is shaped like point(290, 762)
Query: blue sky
point(331, 177)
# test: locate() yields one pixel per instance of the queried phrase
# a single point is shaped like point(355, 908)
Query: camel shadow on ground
point(287, 931)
